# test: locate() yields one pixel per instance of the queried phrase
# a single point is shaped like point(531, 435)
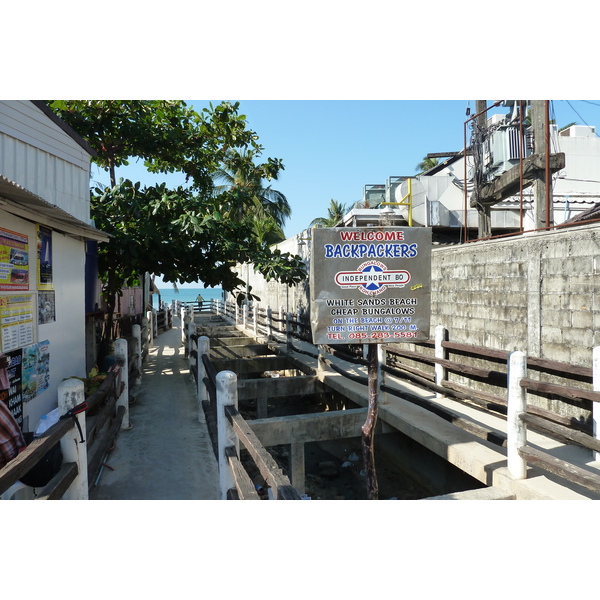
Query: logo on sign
point(372, 278)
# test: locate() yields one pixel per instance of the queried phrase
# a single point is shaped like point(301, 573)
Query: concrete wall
point(536, 293)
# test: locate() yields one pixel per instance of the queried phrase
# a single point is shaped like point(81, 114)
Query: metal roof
point(19, 201)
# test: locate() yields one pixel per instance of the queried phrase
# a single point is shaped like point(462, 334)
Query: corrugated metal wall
point(39, 156)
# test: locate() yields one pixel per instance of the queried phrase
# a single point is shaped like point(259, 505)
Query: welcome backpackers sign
point(370, 285)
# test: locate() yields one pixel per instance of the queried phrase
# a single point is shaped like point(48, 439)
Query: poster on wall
point(12, 395)
point(35, 370)
point(44, 258)
point(14, 261)
point(16, 321)
point(46, 307)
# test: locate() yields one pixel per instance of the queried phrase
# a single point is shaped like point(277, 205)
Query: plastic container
point(46, 421)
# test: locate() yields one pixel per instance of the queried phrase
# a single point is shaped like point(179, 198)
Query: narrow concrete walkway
point(167, 454)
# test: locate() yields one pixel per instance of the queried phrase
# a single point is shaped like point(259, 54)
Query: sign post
point(370, 285)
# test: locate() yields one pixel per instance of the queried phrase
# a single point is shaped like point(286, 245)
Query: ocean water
point(186, 295)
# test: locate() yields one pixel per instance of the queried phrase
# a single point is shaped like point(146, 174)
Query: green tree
point(188, 233)
point(242, 180)
point(335, 212)
point(426, 164)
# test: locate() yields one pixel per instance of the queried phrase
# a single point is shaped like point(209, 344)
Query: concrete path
point(167, 454)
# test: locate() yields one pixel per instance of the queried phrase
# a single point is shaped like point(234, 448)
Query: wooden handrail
point(243, 483)
point(31, 455)
point(563, 469)
point(266, 464)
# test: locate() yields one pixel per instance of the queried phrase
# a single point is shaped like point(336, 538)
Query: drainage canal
point(314, 433)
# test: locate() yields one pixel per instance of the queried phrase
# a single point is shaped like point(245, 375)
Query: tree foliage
point(427, 163)
point(188, 233)
point(335, 212)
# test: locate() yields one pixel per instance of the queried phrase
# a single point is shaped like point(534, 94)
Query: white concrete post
point(441, 373)
point(203, 348)
point(150, 325)
point(517, 405)
point(288, 330)
point(154, 324)
point(187, 319)
point(596, 405)
point(321, 366)
point(245, 316)
point(121, 353)
point(255, 307)
point(381, 362)
point(136, 331)
point(71, 392)
point(145, 338)
point(191, 330)
point(281, 318)
point(182, 313)
point(226, 396)
point(269, 323)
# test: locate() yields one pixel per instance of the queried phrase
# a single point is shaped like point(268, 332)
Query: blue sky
point(332, 148)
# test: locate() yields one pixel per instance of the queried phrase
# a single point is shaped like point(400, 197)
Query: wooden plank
point(107, 387)
point(232, 341)
point(258, 364)
point(226, 352)
point(59, 484)
point(95, 423)
point(508, 183)
point(243, 484)
point(22, 463)
point(563, 391)
point(278, 387)
point(266, 464)
point(563, 469)
point(101, 446)
point(560, 432)
point(330, 425)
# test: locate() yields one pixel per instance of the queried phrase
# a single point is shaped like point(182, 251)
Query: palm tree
point(335, 212)
point(266, 202)
point(266, 230)
point(426, 164)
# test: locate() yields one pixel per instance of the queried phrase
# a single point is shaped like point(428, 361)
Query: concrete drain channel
point(313, 432)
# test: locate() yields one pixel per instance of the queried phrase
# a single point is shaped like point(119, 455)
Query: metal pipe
point(521, 152)
point(549, 216)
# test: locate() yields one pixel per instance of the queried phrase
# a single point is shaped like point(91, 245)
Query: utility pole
point(542, 193)
point(483, 211)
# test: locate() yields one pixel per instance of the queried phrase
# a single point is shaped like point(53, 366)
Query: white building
point(44, 228)
point(439, 200)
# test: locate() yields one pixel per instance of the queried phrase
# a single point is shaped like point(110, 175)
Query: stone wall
point(536, 293)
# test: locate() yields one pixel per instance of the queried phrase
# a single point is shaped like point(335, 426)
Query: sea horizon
point(187, 294)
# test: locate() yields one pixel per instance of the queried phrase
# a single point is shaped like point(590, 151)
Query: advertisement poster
point(12, 396)
point(370, 285)
point(14, 261)
point(44, 258)
point(46, 307)
point(16, 321)
point(35, 370)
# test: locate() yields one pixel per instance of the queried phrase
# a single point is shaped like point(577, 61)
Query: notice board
point(370, 284)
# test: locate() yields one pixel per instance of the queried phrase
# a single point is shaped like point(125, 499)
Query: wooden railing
point(84, 448)
point(218, 400)
point(478, 377)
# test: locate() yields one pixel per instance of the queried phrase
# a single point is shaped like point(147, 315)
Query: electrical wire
point(573, 109)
